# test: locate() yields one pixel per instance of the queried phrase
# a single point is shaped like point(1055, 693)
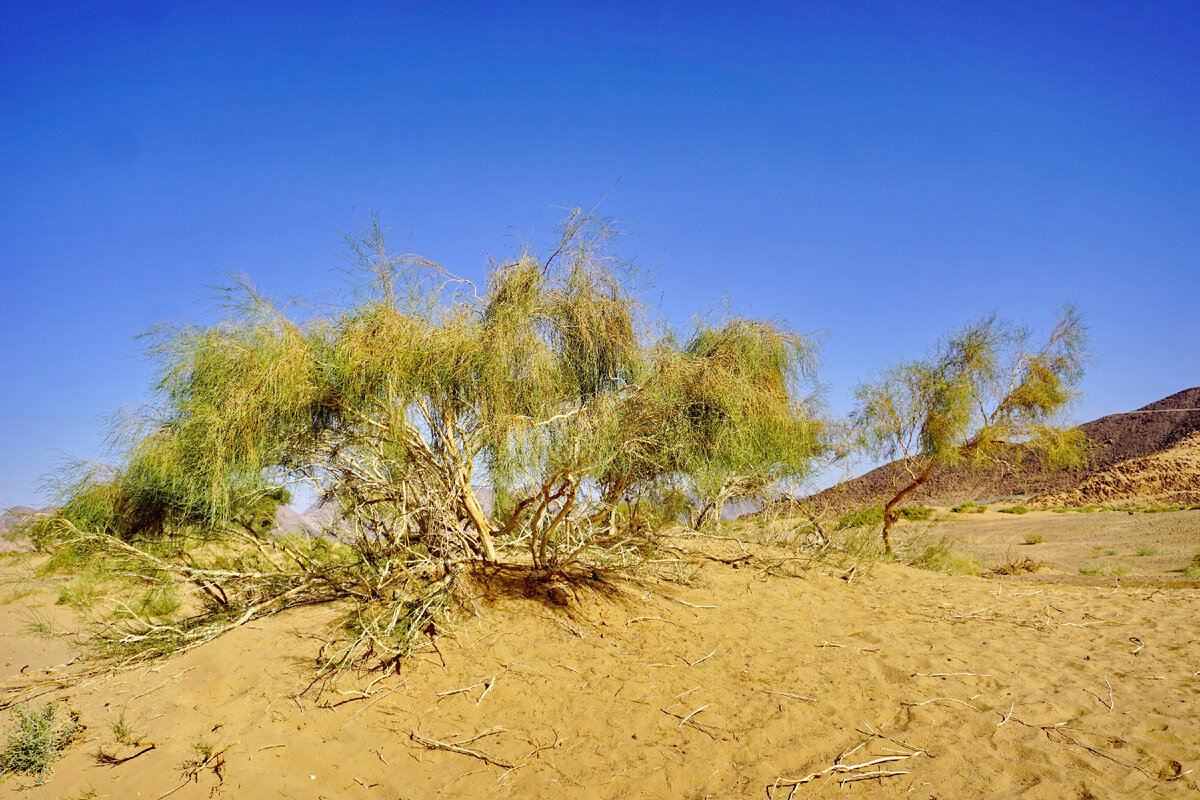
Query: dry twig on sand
point(457, 747)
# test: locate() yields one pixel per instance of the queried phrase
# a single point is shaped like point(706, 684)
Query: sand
point(737, 682)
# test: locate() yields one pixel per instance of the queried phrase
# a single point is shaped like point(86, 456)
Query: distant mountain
point(11, 519)
point(1116, 438)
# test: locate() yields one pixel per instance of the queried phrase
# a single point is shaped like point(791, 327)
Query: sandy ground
point(738, 682)
point(1152, 548)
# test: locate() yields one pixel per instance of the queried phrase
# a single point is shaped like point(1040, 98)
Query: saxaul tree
point(551, 383)
point(983, 389)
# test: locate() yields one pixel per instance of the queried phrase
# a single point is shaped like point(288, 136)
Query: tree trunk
point(478, 519)
point(889, 513)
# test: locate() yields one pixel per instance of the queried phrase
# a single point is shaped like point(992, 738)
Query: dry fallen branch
point(944, 700)
point(839, 768)
point(694, 713)
point(790, 694)
point(452, 747)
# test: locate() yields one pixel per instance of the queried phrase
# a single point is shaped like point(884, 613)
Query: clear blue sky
point(884, 171)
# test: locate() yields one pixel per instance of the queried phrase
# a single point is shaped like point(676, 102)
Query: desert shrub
point(1018, 566)
point(37, 740)
point(1147, 550)
point(1103, 569)
point(916, 513)
point(969, 508)
point(1014, 510)
point(1034, 538)
point(595, 427)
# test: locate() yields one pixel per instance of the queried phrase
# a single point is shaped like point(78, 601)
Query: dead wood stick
point(944, 700)
point(790, 694)
point(434, 744)
point(694, 713)
point(949, 675)
point(866, 776)
point(690, 605)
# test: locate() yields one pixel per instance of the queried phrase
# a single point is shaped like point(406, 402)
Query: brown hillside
point(1115, 438)
point(1170, 477)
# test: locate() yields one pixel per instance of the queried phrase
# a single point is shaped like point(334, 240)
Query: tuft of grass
point(969, 508)
point(940, 556)
point(1014, 510)
point(1148, 550)
point(1192, 570)
point(80, 592)
point(1034, 538)
point(37, 740)
point(40, 625)
point(915, 513)
point(18, 593)
point(1102, 569)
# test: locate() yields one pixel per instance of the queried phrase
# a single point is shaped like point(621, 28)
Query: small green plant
point(37, 740)
point(206, 754)
point(1034, 538)
point(915, 513)
point(1014, 510)
point(1149, 550)
point(969, 508)
point(40, 625)
point(1110, 552)
point(1192, 570)
point(1102, 569)
point(123, 733)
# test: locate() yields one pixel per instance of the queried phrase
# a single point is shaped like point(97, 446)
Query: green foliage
point(1148, 550)
point(982, 389)
point(37, 740)
point(1103, 569)
point(873, 515)
point(862, 518)
point(1014, 510)
point(969, 508)
point(1034, 538)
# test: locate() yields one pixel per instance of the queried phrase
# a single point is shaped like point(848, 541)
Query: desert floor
point(759, 677)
